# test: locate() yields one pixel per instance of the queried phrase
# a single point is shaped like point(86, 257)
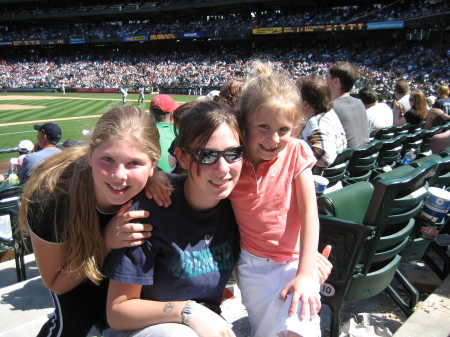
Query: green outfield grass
point(73, 113)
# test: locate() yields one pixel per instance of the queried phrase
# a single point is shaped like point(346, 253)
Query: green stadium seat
point(389, 154)
point(9, 206)
point(336, 171)
point(385, 133)
point(388, 207)
point(362, 162)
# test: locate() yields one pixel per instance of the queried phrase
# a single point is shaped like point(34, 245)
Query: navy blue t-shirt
point(190, 254)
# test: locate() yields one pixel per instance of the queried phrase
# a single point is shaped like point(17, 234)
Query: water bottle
point(13, 169)
point(409, 157)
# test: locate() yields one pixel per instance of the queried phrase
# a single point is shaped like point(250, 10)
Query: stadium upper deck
point(388, 39)
point(252, 12)
point(48, 23)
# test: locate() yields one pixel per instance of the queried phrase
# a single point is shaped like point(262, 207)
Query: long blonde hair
point(65, 180)
point(266, 87)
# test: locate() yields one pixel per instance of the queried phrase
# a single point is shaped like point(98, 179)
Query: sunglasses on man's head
point(207, 157)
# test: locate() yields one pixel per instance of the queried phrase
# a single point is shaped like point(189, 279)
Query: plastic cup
point(321, 184)
point(436, 205)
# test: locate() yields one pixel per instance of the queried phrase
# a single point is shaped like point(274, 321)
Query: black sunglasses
point(208, 157)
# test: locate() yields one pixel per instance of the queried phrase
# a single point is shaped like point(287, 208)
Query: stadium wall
point(6, 90)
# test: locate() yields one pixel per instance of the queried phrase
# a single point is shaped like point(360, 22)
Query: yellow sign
point(267, 30)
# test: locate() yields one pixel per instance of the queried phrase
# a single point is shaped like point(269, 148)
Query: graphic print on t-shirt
point(190, 263)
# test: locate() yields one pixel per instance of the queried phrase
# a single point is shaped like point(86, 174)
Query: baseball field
point(73, 113)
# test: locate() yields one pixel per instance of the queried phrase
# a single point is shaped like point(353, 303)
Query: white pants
point(260, 282)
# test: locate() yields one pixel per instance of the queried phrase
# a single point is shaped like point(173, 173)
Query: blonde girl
point(74, 207)
point(275, 207)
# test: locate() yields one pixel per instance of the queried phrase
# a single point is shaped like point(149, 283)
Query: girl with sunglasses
point(172, 285)
point(275, 205)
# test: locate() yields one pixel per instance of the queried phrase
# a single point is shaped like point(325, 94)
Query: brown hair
point(178, 112)
point(401, 87)
point(347, 73)
point(315, 91)
point(443, 91)
point(419, 104)
point(367, 95)
point(230, 92)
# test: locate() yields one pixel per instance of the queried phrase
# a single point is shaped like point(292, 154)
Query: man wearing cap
point(25, 147)
point(162, 108)
point(48, 137)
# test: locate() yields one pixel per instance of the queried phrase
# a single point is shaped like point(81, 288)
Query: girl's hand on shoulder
point(302, 288)
point(159, 189)
point(207, 323)
point(121, 232)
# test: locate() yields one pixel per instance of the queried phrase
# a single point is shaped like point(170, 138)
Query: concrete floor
point(25, 306)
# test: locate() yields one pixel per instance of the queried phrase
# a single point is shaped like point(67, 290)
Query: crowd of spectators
point(211, 66)
point(237, 21)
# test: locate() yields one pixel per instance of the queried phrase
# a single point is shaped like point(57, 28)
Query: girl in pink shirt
point(275, 206)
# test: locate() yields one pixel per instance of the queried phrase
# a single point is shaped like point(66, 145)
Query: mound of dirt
point(4, 167)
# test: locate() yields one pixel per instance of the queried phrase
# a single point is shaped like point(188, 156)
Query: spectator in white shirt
point(379, 115)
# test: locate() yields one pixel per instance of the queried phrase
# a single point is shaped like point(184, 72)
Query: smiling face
point(268, 132)
point(120, 171)
point(206, 185)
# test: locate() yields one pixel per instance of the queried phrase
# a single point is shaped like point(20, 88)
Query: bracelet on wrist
point(186, 312)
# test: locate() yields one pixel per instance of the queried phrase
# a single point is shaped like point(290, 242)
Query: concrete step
point(430, 316)
point(25, 306)
point(8, 269)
